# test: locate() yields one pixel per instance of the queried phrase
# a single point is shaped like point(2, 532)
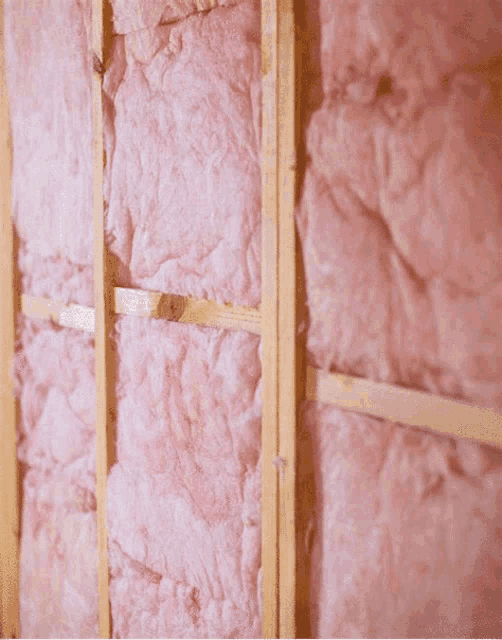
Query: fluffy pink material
point(408, 525)
point(55, 384)
point(184, 497)
point(135, 15)
point(402, 243)
point(184, 210)
point(401, 235)
point(394, 217)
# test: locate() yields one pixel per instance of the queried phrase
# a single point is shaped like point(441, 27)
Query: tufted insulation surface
point(401, 236)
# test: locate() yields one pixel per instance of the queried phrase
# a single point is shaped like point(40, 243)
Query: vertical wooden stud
point(286, 326)
point(278, 319)
point(9, 509)
point(104, 318)
point(269, 306)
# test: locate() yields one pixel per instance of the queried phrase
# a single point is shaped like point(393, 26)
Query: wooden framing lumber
point(134, 302)
point(74, 316)
point(9, 506)
point(269, 306)
point(103, 302)
point(276, 322)
point(414, 408)
point(278, 319)
point(286, 321)
point(186, 310)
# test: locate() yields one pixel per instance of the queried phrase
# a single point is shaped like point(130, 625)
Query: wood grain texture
point(103, 303)
point(286, 334)
point(9, 509)
point(134, 302)
point(186, 310)
point(270, 319)
point(397, 404)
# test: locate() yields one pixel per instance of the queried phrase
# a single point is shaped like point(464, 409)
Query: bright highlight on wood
point(134, 302)
point(73, 316)
point(186, 310)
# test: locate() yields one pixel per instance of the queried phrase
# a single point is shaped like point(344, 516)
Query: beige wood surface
point(286, 326)
point(9, 509)
point(186, 310)
point(270, 319)
point(414, 408)
point(73, 316)
point(103, 304)
point(134, 302)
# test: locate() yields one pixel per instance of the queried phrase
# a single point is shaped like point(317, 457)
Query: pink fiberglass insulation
point(184, 209)
point(50, 108)
point(401, 237)
point(184, 496)
point(183, 216)
point(48, 65)
point(55, 376)
point(402, 243)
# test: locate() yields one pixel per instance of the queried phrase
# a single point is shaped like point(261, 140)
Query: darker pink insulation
point(401, 234)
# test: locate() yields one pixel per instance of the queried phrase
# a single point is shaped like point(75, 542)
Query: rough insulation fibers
point(401, 235)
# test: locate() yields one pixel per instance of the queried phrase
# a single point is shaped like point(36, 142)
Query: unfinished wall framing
point(377, 401)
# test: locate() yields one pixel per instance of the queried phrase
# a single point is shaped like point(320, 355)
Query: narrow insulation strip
point(9, 509)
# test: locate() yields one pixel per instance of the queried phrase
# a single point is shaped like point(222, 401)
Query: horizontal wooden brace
point(74, 316)
point(377, 399)
point(398, 404)
point(134, 302)
point(187, 310)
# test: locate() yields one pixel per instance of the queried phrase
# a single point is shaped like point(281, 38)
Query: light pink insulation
point(55, 375)
point(184, 210)
point(401, 235)
point(185, 517)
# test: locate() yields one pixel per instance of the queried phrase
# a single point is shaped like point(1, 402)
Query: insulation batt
point(399, 219)
point(401, 235)
point(184, 494)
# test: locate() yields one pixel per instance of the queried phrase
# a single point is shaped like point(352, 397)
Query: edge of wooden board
point(287, 314)
point(103, 314)
point(74, 316)
point(9, 505)
point(270, 295)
